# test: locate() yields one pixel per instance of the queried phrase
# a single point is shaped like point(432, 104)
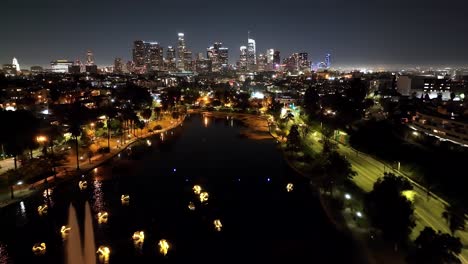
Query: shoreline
point(64, 176)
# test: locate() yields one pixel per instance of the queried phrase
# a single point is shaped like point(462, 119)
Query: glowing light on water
point(197, 189)
point(206, 121)
point(217, 224)
point(102, 217)
point(39, 249)
point(347, 196)
point(138, 237)
point(49, 191)
point(359, 214)
point(83, 185)
point(191, 206)
point(65, 230)
point(204, 197)
point(148, 143)
point(22, 208)
point(42, 209)
point(163, 246)
point(290, 187)
point(125, 198)
point(3, 254)
point(95, 170)
point(103, 254)
point(98, 204)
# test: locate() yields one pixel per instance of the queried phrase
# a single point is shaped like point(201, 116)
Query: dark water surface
point(246, 180)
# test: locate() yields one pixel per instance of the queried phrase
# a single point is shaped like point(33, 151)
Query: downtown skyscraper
point(251, 54)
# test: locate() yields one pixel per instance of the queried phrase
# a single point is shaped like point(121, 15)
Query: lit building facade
point(60, 66)
point(251, 55)
point(171, 59)
point(118, 65)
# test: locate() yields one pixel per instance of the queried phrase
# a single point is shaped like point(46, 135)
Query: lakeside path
point(68, 170)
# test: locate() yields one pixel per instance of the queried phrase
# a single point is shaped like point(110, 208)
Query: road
point(428, 210)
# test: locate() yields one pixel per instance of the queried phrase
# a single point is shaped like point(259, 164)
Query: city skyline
point(356, 33)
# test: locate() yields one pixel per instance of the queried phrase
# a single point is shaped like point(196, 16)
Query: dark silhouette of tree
point(241, 100)
point(454, 214)
point(146, 114)
point(337, 169)
point(390, 211)
point(54, 94)
point(170, 98)
point(328, 144)
point(293, 139)
point(135, 96)
point(435, 248)
point(157, 112)
point(311, 102)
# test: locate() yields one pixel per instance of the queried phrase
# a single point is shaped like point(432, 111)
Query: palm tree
point(455, 217)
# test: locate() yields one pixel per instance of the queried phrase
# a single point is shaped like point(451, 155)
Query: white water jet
point(77, 252)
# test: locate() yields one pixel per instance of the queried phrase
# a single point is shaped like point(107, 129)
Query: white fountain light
point(102, 217)
point(290, 187)
point(218, 225)
point(39, 249)
point(163, 246)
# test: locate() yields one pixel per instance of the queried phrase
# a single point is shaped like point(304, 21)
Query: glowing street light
point(204, 197)
point(103, 254)
point(39, 249)
point(197, 189)
point(359, 214)
point(41, 139)
point(347, 196)
point(218, 225)
point(102, 217)
point(163, 246)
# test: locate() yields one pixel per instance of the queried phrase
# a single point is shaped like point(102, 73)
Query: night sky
point(357, 33)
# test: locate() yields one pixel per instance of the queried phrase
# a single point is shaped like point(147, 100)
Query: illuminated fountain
point(197, 189)
point(217, 224)
point(163, 246)
point(83, 185)
point(39, 249)
point(204, 197)
point(102, 217)
point(290, 187)
point(191, 206)
point(77, 252)
point(42, 209)
point(125, 198)
point(103, 254)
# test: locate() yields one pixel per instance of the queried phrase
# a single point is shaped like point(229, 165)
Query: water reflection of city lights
point(83, 185)
point(290, 187)
point(95, 170)
point(125, 198)
point(206, 121)
point(138, 237)
point(102, 217)
point(47, 192)
point(99, 204)
point(42, 209)
point(148, 143)
point(3, 254)
point(204, 197)
point(191, 206)
point(217, 224)
point(64, 231)
point(197, 189)
point(103, 254)
point(22, 207)
point(163, 246)
point(39, 249)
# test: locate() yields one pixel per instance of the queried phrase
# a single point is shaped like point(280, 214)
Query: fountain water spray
point(76, 251)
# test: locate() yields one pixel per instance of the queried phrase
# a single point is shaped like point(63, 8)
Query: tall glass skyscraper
point(251, 54)
point(181, 48)
point(328, 60)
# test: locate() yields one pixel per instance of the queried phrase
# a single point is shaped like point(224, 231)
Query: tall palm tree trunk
point(77, 154)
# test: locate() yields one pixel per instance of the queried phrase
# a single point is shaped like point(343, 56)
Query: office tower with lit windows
point(251, 55)
point(328, 60)
point(154, 56)
point(171, 59)
point(181, 48)
point(187, 61)
point(89, 58)
point(219, 56)
point(276, 58)
point(139, 53)
point(242, 63)
point(118, 65)
point(60, 66)
point(17, 66)
point(303, 61)
point(261, 62)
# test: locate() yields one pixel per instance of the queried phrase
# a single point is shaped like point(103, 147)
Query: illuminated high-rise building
point(328, 60)
point(171, 59)
point(303, 61)
point(270, 54)
point(139, 53)
point(60, 66)
point(89, 58)
point(118, 65)
point(242, 63)
point(276, 58)
point(181, 48)
point(251, 54)
point(188, 63)
point(218, 55)
point(261, 62)
point(154, 56)
point(17, 66)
